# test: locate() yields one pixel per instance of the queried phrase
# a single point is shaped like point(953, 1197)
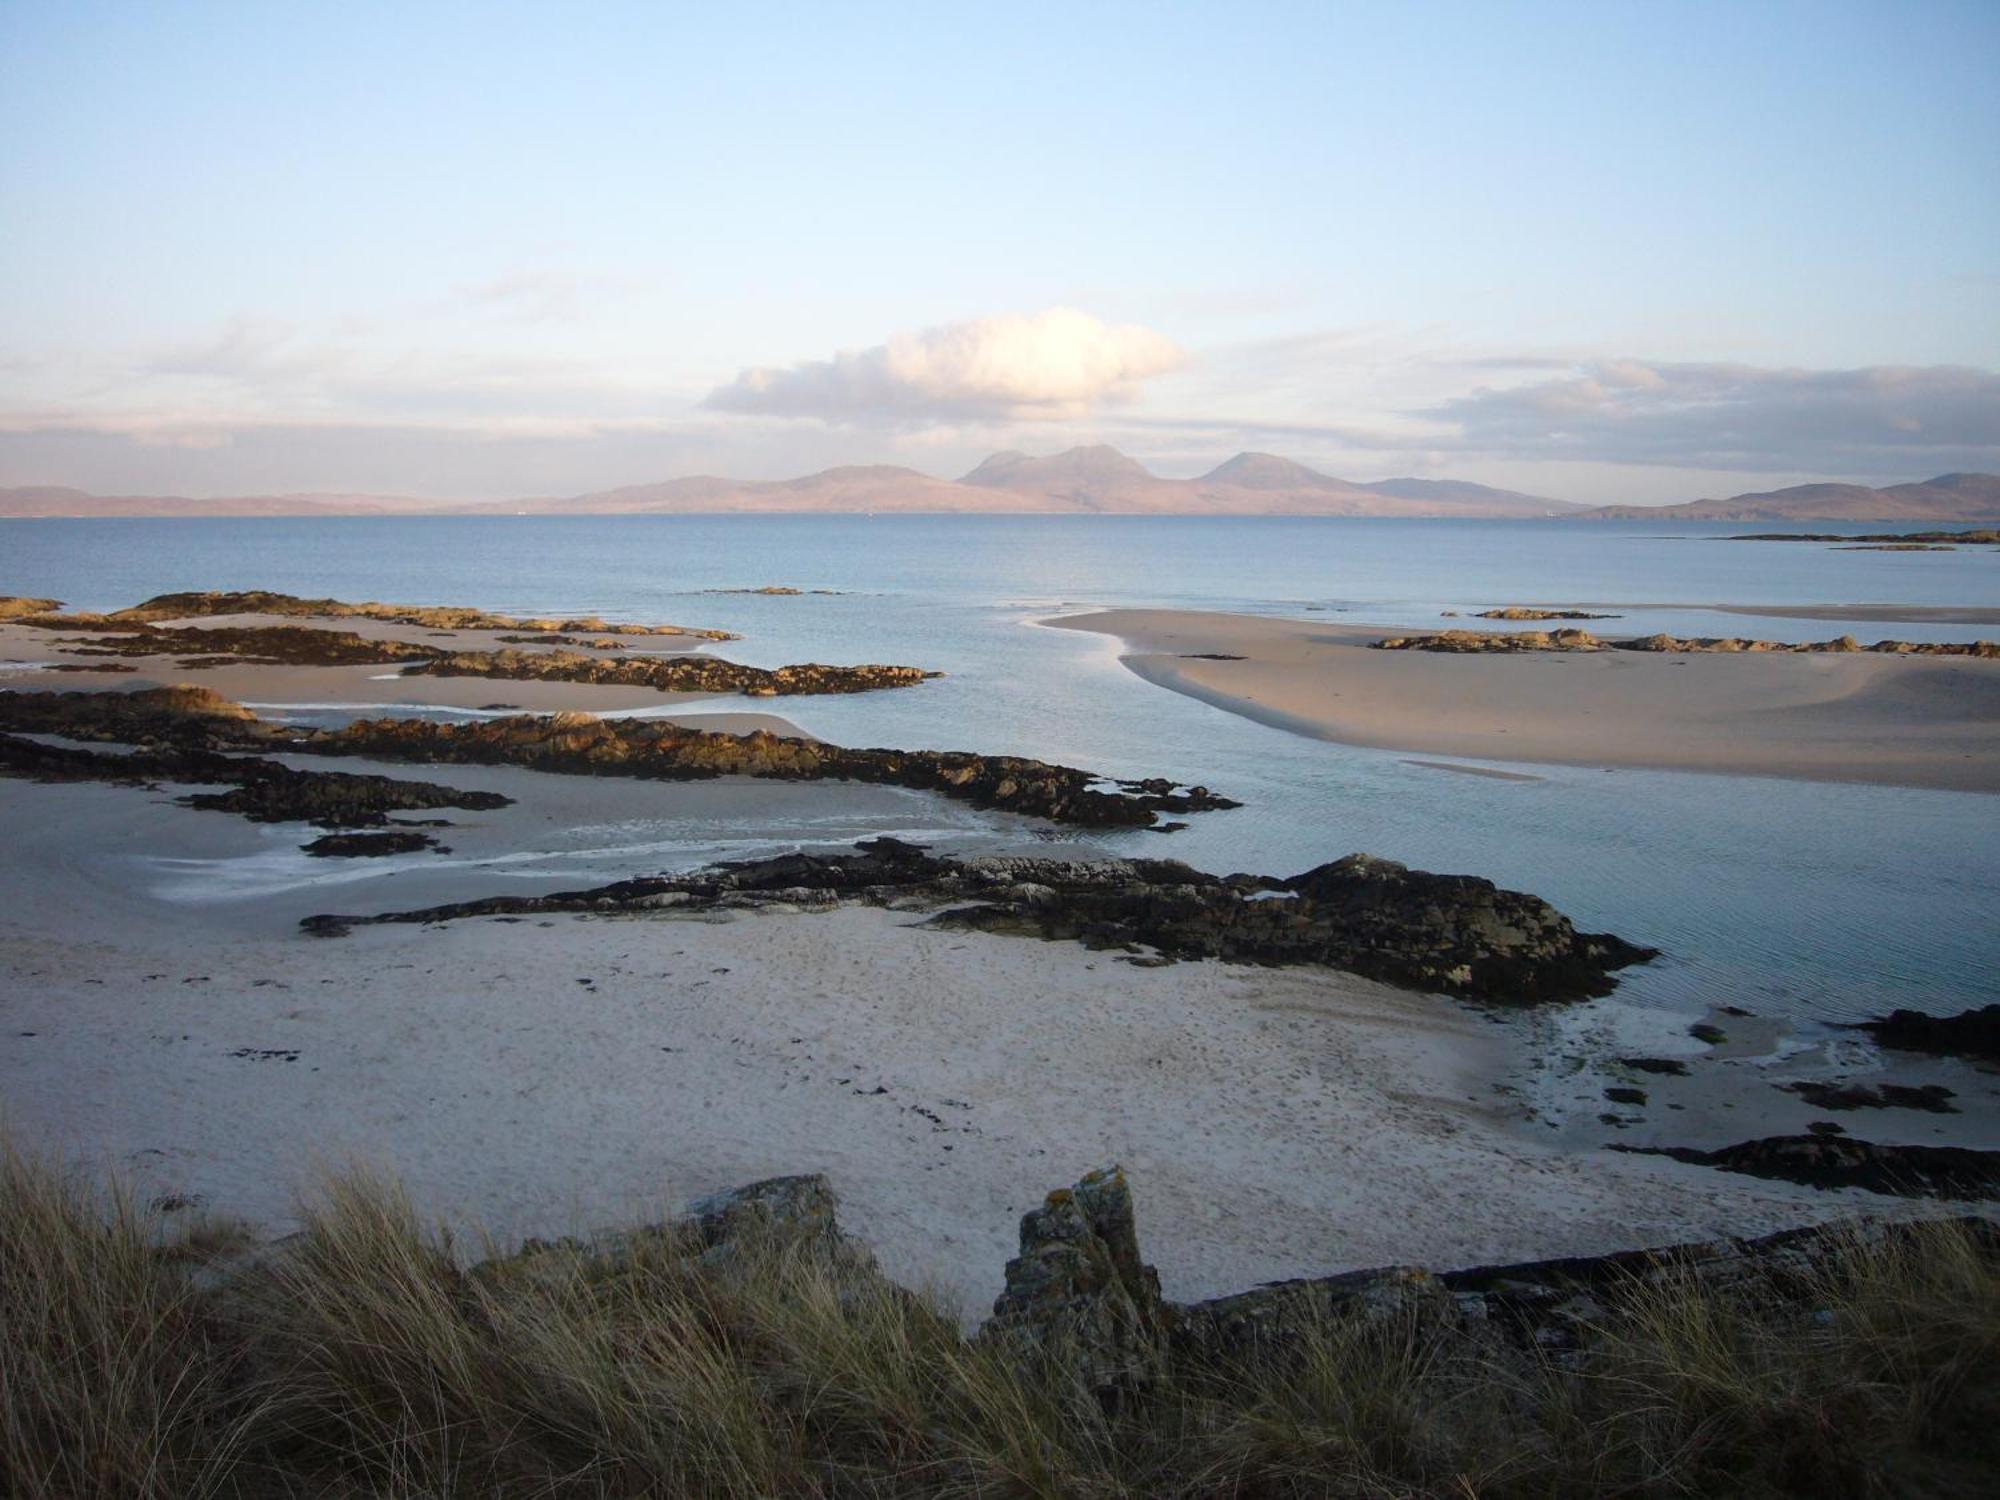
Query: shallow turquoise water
point(1807, 900)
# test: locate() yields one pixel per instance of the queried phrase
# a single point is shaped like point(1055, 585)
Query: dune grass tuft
point(365, 1358)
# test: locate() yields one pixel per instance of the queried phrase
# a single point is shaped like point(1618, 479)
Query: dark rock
point(1971, 1033)
point(1524, 612)
point(1930, 1097)
point(1621, 1094)
point(1838, 1162)
point(1702, 1031)
point(367, 845)
point(1440, 933)
point(1476, 642)
point(1670, 1066)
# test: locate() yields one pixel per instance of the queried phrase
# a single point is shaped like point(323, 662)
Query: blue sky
point(1608, 251)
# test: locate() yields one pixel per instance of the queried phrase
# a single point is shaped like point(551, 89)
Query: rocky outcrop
point(1931, 1098)
point(1971, 1033)
point(1523, 612)
point(1470, 642)
point(264, 791)
point(578, 744)
point(667, 674)
point(581, 744)
point(1476, 642)
point(1448, 934)
point(1078, 1292)
point(15, 606)
point(188, 606)
point(305, 646)
point(1839, 1161)
point(369, 845)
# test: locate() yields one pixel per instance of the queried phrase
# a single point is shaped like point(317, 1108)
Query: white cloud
point(1054, 365)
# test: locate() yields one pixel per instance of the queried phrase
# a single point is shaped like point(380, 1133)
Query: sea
point(1812, 903)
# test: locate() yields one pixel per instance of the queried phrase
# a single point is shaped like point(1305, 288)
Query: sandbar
point(1921, 722)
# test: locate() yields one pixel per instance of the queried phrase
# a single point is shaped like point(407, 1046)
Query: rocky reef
point(264, 791)
point(305, 646)
point(1838, 1161)
point(1525, 612)
point(1970, 1033)
point(188, 606)
point(668, 674)
point(1474, 642)
point(1449, 934)
point(578, 744)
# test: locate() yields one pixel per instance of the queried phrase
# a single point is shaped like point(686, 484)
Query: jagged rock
point(1490, 641)
point(1078, 1292)
point(1971, 1033)
point(1824, 1161)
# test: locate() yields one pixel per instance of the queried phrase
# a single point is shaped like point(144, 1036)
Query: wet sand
point(1920, 721)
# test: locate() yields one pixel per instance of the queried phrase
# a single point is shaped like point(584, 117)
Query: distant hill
point(58, 500)
point(1949, 497)
point(1080, 481)
point(1105, 481)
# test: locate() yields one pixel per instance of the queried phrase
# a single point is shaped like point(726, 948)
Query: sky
point(1615, 252)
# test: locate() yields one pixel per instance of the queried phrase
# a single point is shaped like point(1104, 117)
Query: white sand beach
point(538, 1076)
point(1916, 721)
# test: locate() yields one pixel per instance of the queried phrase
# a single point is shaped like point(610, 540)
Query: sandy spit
point(1921, 721)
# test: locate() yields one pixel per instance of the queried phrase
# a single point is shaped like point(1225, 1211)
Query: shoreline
point(1927, 722)
point(533, 1075)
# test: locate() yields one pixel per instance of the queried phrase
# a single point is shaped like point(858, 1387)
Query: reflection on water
point(1801, 899)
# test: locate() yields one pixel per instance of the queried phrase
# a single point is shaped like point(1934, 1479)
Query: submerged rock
point(1523, 612)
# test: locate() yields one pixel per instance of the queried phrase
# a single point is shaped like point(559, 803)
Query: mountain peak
point(1094, 464)
point(1267, 471)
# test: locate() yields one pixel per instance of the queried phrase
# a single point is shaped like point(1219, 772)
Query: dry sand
point(550, 1074)
point(1918, 721)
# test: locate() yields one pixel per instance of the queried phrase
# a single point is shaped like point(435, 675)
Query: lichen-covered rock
point(1078, 1292)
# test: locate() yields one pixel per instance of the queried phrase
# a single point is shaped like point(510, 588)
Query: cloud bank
point(1881, 418)
point(1054, 365)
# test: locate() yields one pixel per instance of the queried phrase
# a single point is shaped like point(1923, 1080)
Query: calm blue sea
point(1811, 901)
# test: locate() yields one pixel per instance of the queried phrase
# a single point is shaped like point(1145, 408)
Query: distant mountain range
point(1081, 481)
point(1949, 497)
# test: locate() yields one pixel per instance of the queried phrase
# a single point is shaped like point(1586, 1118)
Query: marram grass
point(367, 1360)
